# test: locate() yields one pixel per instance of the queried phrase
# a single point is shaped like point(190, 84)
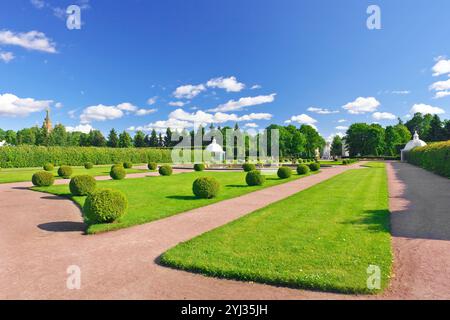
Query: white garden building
point(215, 152)
point(415, 142)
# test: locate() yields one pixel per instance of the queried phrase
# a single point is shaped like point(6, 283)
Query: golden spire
point(48, 122)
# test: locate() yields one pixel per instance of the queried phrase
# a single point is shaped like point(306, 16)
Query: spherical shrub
point(88, 165)
point(345, 162)
point(165, 170)
point(104, 206)
point(82, 185)
point(199, 167)
point(65, 172)
point(152, 166)
point(128, 165)
point(118, 173)
point(48, 167)
point(302, 169)
point(255, 178)
point(315, 166)
point(43, 179)
point(248, 167)
point(284, 172)
point(120, 165)
point(206, 187)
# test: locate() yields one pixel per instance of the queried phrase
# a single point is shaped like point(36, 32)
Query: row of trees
point(364, 139)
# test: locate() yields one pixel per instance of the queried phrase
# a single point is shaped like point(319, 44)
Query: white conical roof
point(415, 142)
point(214, 147)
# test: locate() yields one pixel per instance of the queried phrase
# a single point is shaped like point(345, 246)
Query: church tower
point(48, 122)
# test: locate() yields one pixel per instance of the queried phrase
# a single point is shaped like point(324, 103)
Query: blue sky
point(253, 61)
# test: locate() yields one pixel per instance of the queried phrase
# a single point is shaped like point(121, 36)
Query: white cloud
point(71, 114)
point(229, 84)
point(32, 40)
point(322, 110)
point(100, 113)
point(343, 128)
point(331, 136)
point(152, 100)
point(303, 119)
point(233, 105)
point(177, 103)
point(58, 105)
point(384, 116)
point(362, 105)
point(440, 85)
point(401, 92)
point(38, 4)
point(126, 106)
point(342, 120)
point(188, 91)
point(84, 128)
point(425, 109)
point(251, 125)
point(144, 112)
point(13, 106)
point(256, 86)
point(441, 67)
point(6, 56)
point(441, 94)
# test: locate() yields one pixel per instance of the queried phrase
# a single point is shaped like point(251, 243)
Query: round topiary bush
point(43, 179)
point(255, 178)
point(152, 166)
point(104, 206)
point(65, 172)
point(117, 173)
point(199, 167)
point(206, 187)
point(82, 185)
point(48, 167)
point(302, 169)
point(128, 165)
point(284, 172)
point(165, 170)
point(315, 166)
point(120, 165)
point(88, 165)
point(248, 167)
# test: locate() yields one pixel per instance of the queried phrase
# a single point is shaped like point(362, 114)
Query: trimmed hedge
point(434, 157)
point(199, 167)
point(315, 166)
point(302, 169)
point(65, 172)
point(248, 167)
point(152, 166)
point(82, 185)
point(117, 172)
point(43, 179)
point(49, 167)
point(165, 170)
point(206, 187)
point(37, 156)
point(255, 178)
point(104, 206)
point(88, 165)
point(128, 165)
point(284, 172)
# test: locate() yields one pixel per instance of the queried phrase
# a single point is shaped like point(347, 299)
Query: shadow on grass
point(373, 220)
point(63, 226)
point(237, 186)
point(183, 197)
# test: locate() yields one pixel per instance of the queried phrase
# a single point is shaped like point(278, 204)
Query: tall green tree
point(97, 139)
point(139, 139)
point(113, 139)
point(58, 136)
point(153, 139)
point(436, 131)
point(125, 140)
point(168, 138)
point(313, 140)
point(336, 146)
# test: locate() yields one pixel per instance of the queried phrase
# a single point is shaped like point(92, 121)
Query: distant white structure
point(345, 152)
point(3, 143)
point(326, 154)
point(415, 142)
point(216, 151)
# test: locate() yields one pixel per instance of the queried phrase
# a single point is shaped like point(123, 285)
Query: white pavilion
point(215, 152)
point(415, 142)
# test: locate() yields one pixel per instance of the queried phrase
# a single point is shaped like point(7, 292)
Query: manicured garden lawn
point(323, 238)
point(24, 174)
point(153, 198)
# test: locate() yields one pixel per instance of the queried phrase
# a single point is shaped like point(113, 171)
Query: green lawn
point(323, 238)
point(25, 174)
point(153, 198)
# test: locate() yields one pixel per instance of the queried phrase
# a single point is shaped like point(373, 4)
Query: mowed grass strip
point(323, 238)
point(24, 174)
point(153, 198)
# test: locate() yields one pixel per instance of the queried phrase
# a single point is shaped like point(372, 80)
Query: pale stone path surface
point(41, 235)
